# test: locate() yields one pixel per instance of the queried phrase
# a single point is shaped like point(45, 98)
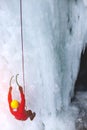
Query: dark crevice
point(76, 1)
point(80, 93)
point(70, 30)
point(81, 81)
point(78, 16)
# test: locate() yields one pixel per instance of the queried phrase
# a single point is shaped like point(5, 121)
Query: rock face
point(80, 97)
point(81, 102)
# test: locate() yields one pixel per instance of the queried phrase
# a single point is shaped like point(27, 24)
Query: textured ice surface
point(81, 103)
point(55, 33)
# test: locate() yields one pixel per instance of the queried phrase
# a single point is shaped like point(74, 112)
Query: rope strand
point(22, 44)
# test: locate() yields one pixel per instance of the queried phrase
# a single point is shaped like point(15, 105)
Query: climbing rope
point(22, 44)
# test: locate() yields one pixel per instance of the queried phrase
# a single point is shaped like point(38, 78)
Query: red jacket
point(21, 113)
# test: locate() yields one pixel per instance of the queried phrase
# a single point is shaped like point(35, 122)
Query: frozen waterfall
point(54, 38)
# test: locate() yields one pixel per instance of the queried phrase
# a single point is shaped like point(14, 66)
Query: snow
point(54, 36)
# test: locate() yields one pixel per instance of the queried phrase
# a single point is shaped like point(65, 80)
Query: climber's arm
point(10, 99)
point(9, 95)
point(22, 103)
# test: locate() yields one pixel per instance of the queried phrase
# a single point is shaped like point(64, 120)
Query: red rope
point(22, 44)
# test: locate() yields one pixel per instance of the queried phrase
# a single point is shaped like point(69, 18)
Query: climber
point(18, 108)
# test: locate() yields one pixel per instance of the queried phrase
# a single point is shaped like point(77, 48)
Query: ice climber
point(18, 108)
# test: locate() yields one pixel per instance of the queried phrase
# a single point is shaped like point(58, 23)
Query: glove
point(10, 88)
point(20, 88)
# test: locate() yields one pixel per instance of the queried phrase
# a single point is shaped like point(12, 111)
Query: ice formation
point(54, 37)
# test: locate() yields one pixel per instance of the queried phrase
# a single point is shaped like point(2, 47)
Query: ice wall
point(76, 42)
point(54, 36)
